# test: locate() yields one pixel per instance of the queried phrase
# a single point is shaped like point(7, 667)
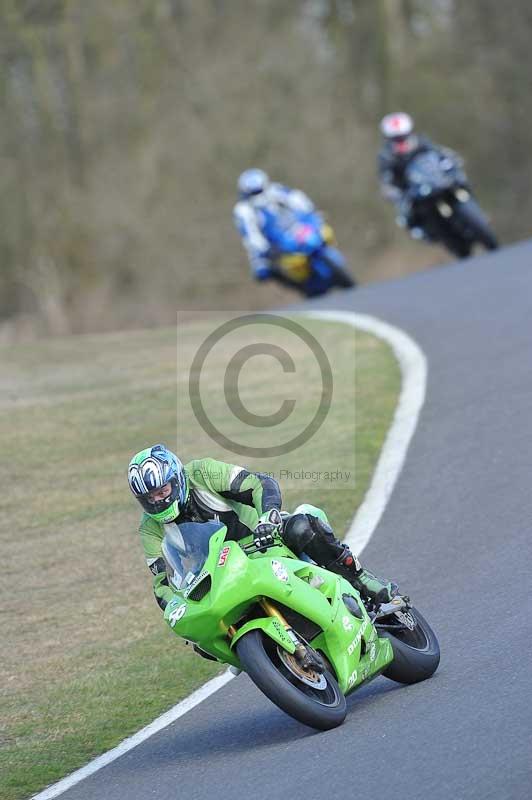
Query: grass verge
point(86, 659)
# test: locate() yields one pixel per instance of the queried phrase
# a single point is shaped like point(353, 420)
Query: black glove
point(269, 524)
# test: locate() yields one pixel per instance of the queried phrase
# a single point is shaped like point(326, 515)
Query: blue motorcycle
point(302, 253)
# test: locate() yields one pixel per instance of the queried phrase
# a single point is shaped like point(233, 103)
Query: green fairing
point(271, 627)
point(238, 581)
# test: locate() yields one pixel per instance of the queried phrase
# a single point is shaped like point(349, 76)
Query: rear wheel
point(472, 217)
point(311, 697)
point(335, 261)
point(416, 652)
point(342, 279)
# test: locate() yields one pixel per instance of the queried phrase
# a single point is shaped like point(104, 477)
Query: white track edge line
point(132, 741)
point(413, 365)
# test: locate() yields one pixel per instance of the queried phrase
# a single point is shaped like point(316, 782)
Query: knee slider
point(298, 533)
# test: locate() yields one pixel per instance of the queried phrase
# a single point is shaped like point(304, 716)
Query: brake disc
point(309, 676)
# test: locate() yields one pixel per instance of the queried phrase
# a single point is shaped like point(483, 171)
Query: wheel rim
point(310, 677)
point(329, 695)
point(417, 639)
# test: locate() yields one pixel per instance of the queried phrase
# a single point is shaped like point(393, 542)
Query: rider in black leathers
point(400, 145)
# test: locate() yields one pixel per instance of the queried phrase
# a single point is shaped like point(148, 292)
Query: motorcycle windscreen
point(426, 168)
point(185, 549)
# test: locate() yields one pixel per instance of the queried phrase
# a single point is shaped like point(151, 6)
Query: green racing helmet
point(152, 469)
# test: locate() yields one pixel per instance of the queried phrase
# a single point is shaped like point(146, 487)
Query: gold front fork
point(272, 611)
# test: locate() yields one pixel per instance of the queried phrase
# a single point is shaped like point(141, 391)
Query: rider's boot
point(306, 533)
point(366, 583)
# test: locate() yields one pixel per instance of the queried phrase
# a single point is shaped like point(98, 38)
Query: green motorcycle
point(302, 633)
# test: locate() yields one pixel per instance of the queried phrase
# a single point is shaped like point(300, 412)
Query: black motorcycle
point(440, 201)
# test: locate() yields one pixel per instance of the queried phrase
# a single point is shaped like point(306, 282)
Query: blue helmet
point(251, 182)
point(151, 469)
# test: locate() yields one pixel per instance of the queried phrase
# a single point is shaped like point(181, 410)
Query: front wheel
point(458, 246)
point(448, 235)
point(312, 698)
point(416, 652)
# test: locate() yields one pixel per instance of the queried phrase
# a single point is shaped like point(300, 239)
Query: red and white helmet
point(398, 129)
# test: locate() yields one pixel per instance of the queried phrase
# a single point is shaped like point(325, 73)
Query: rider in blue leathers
point(262, 202)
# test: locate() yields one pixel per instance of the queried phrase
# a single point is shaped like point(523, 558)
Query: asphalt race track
point(456, 535)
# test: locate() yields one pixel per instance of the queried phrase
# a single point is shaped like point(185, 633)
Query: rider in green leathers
point(248, 503)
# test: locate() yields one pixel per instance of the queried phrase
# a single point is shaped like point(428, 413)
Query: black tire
point(471, 216)
point(341, 277)
point(458, 247)
point(440, 230)
point(323, 709)
point(416, 653)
